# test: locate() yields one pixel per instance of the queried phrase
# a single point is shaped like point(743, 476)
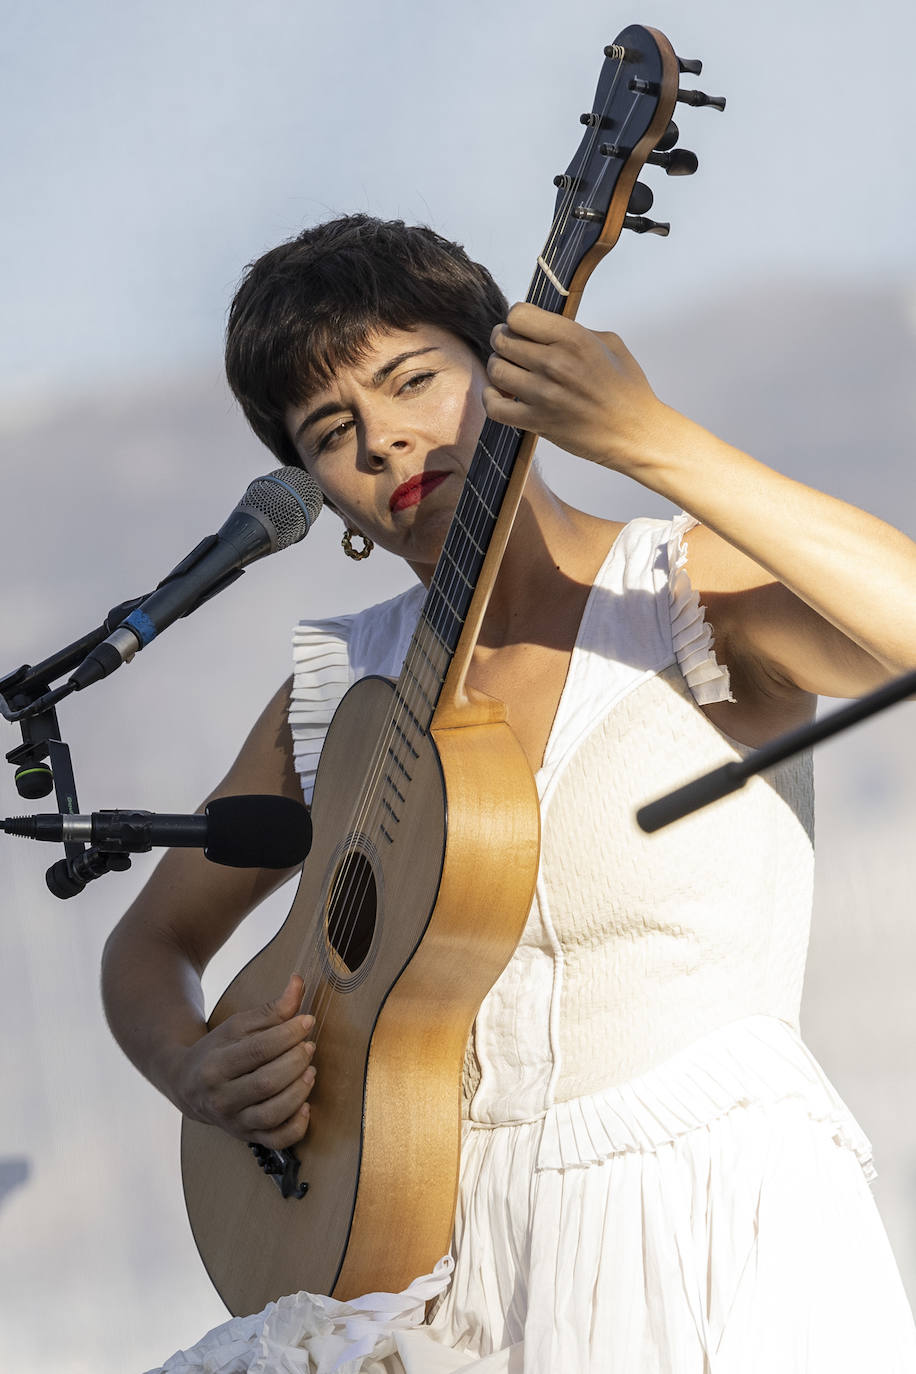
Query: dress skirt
point(712, 1216)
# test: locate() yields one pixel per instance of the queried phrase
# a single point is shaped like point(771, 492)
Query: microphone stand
point(730, 776)
point(24, 701)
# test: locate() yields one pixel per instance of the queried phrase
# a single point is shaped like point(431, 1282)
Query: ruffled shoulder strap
point(330, 655)
point(691, 636)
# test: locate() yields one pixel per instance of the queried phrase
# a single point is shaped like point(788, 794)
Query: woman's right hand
point(253, 1073)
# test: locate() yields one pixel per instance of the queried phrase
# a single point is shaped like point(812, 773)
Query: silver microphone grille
point(288, 500)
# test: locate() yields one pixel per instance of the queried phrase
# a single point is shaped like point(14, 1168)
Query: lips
point(412, 492)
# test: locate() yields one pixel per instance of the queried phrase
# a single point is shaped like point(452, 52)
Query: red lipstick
point(411, 492)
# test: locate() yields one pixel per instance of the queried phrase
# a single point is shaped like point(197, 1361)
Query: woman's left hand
point(582, 390)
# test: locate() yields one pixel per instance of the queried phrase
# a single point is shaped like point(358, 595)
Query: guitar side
point(382, 1151)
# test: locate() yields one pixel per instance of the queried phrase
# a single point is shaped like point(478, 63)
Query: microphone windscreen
point(287, 501)
point(257, 832)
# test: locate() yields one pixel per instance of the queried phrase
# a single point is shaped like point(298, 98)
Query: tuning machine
point(641, 199)
point(700, 99)
point(679, 162)
point(640, 225)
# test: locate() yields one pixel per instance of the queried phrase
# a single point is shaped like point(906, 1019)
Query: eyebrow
point(378, 378)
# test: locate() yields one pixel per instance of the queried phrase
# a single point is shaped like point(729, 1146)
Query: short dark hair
point(309, 306)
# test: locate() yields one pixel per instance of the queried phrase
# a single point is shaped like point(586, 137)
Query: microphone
point(277, 510)
point(240, 832)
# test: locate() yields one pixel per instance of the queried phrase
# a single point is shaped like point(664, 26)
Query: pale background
point(149, 152)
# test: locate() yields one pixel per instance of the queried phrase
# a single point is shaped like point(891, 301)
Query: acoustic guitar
point(425, 849)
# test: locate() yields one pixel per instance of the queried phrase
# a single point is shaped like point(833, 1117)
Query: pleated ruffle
point(691, 635)
point(321, 676)
point(757, 1060)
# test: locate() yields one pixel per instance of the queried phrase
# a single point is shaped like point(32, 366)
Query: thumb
point(282, 1008)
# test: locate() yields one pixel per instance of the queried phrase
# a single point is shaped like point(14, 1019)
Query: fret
point(469, 487)
point(438, 612)
point(420, 687)
point(494, 462)
point(405, 738)
point(406, 709)
point(457, 520)
point(424, 620)
point(399, 764)
point(458, 570)
point(438, 669)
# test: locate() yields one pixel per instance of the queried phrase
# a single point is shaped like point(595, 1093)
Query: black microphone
point(241, 832)
point(277, 510)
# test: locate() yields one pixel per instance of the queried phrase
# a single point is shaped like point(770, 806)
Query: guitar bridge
point(282, 1166)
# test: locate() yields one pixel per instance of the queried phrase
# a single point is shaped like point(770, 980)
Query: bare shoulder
point(265, 760)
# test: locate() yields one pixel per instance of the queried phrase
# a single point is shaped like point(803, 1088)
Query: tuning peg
point(567, 183)
point(679, 163)
point(596, 121)
point(639, 225)
point(668, 138)
point(717, 102)
point(641, 199)
point(693, 65)
point(586, 212)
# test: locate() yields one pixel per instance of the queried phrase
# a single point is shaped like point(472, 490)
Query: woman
point(655, 1174)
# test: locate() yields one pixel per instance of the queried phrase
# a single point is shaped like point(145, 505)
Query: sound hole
point(352, 910)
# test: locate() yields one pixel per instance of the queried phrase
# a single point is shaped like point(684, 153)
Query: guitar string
point(371, 797)
point(371, 801)
point(504, 447)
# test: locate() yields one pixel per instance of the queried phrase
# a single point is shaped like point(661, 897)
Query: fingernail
point(309, 1075)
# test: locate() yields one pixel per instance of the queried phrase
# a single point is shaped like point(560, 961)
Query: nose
point(384, 434)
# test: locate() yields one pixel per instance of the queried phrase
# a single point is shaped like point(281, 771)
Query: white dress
point(656, 1176)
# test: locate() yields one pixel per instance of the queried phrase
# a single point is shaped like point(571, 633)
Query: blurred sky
point(150, 150)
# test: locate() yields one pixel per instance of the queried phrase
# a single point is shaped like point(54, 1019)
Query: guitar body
point(382, 1151)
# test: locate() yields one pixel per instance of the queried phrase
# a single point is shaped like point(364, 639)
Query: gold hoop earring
point(347, 545)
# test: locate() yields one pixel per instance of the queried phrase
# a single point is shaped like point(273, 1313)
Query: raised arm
point(251, 1075)
point(807, 593)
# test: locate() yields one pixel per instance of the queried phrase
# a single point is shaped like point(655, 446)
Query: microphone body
point(277, 510)
point(241, 832)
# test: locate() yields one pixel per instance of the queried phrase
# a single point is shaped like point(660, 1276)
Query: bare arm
point(252, 1074)
point(809, 594)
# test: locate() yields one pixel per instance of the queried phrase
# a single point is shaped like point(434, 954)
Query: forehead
point(382, 348)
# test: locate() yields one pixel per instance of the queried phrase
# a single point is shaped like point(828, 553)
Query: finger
point(247, 1054)
point(247, 1090)
point(267, 1116)
point(508, 410)
point(272, 1013)
point(541, 326)
point(516, 381)
point(517, 349)
point(290, 1133)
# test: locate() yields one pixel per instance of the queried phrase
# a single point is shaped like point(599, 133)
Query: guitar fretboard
point(454, 581)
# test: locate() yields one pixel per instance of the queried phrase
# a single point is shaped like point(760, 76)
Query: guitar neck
point(433, 677)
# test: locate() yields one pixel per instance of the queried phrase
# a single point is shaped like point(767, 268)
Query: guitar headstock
point(629, 124)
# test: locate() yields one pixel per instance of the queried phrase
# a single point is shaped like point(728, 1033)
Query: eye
point(416, 382)
point(333, 435)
